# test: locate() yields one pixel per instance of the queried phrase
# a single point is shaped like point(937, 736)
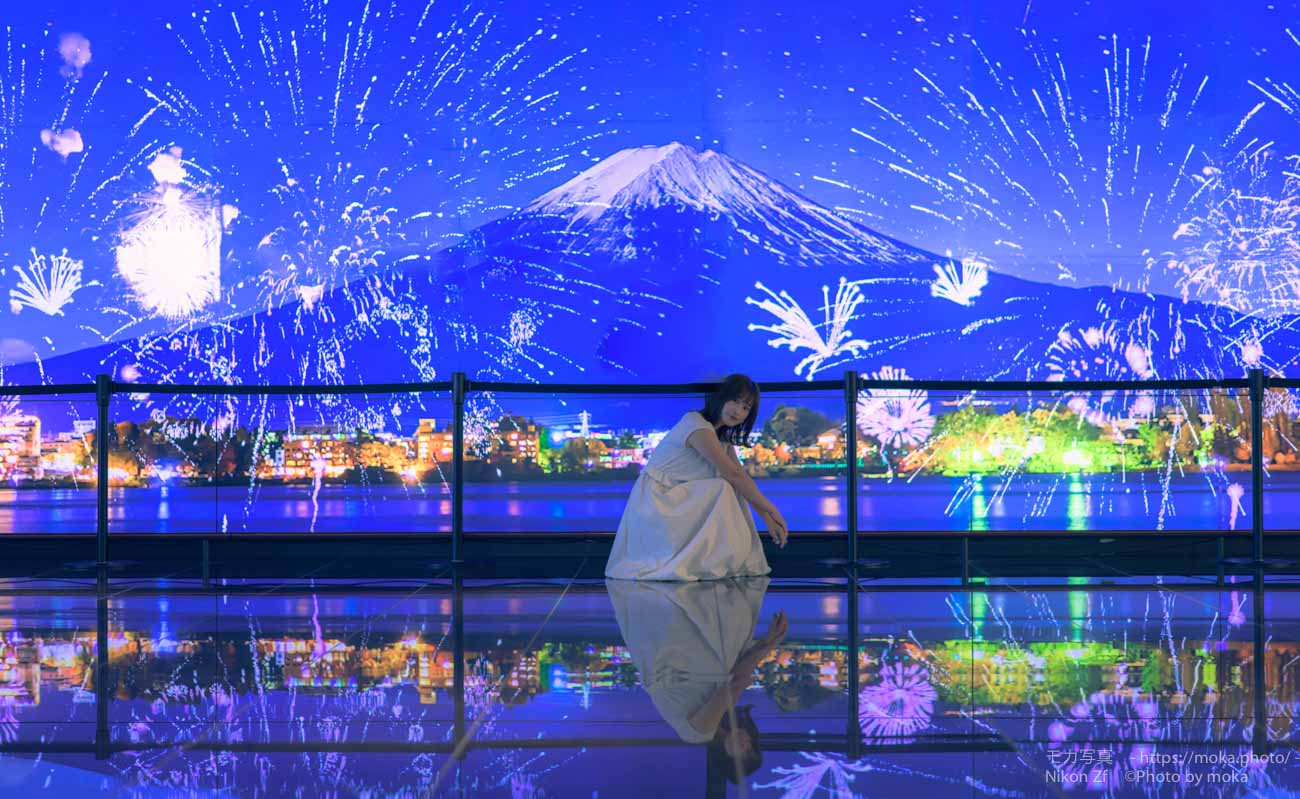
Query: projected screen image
point(351, 192)
point(311, 192)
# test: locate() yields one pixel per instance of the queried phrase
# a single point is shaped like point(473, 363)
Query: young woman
point(686, 518)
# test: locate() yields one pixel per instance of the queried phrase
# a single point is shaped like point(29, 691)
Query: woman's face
point(736, 411)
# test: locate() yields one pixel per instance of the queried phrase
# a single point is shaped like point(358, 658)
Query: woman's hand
point(776, 526)
point(776, 630)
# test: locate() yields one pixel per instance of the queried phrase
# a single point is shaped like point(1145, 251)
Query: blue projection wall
point(311, 192)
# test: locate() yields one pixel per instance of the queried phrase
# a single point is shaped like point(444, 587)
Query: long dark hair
point(732, 387)
point(721, 762)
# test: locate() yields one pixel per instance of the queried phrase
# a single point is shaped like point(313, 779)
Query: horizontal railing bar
point(52, 389)
point(282, 390)
point(1000, 386)
point(353, 535)
point(1054, 387)
point(866, 584)
point(799, 386)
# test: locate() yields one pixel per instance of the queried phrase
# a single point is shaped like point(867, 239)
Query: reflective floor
point(460, 686)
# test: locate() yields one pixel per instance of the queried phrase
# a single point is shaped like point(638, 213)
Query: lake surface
point(1137, 501)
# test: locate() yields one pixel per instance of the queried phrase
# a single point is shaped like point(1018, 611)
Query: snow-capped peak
point(636, 176)
point(679, 175)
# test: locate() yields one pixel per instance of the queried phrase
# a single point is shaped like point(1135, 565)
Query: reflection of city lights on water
point(1076, 459)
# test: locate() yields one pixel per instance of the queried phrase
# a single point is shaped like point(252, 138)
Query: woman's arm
point(742, 676)
point(705, 442)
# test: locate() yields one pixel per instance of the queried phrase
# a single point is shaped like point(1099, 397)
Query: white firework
point(895, 417)
point(816, 773)
point(797, 331)
point(523, 327)
point(170, 252)
point(1243, 249)
point(1042, 163)
point(1235, 492)
point(46, 285)
point(960, 287)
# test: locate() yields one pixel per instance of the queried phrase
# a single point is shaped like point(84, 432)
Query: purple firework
point(900, 704)
point(894, 417)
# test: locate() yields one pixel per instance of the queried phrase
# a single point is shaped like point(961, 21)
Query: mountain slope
point(670, 264)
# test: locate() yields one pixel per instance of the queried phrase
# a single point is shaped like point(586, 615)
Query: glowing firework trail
point(46, 286)
point(1088, 171)
point(1235, 493)
point(298, 74)
point(355, 139)
point(51, 88)
point(796, 331)
point(1242, 249)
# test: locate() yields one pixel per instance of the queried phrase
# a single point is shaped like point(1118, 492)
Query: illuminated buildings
point(435, 670)
point(20, 448)
point(66, 455)
point(432, 445)
point(385, 451)
point(311, 664)
point(20, 672)
point(327, 454)
point(518, 441)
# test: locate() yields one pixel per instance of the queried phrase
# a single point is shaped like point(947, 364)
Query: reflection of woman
point(686, 517)
point(693, 644)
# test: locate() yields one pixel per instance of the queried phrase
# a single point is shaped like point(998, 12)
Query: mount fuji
point(671, 264)
point(601, 202)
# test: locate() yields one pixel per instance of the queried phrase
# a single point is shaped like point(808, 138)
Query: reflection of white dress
point(683, 521)
point(685, 638)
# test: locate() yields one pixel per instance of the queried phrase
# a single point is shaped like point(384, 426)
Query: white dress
point(685, 638)
point(683, 521)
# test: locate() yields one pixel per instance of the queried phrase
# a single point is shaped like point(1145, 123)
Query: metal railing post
point(851, 453)
point(1259, 737)
point(103, 393)
point(458, 653)
point(853, 678)
point(458, 389)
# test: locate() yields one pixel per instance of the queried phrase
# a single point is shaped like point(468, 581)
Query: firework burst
point(1242, 249)
point(895, 418)
point(961, 287)
point(46, 285)
point(796, 331)
point(302, 79)
point(898, 706)
point(1100, 352)
point(815, 774)
point(169, 252)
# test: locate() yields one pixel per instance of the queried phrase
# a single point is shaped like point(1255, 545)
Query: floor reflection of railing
point(463, 741)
